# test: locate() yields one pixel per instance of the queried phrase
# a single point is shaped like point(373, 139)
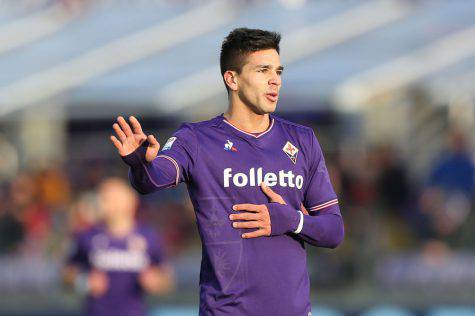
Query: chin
point(270, 108)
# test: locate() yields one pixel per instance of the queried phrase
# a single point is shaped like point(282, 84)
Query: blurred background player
point(117, 262)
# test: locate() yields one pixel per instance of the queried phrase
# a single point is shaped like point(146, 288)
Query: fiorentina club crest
point(291, 151)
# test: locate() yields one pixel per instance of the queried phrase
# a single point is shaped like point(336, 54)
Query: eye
point(262, 70)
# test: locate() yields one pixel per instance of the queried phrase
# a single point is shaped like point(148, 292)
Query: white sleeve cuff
point(300, 226)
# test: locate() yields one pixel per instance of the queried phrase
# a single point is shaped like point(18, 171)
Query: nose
point(275, 79)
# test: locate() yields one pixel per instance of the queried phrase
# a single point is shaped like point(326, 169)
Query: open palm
point(129, 139)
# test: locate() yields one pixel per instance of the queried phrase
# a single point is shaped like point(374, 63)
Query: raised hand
point(129, 139)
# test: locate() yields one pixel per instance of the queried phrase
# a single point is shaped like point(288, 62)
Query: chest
point(235, 165)
point(109, 254)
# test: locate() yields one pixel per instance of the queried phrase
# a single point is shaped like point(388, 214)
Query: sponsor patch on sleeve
point(169, 143)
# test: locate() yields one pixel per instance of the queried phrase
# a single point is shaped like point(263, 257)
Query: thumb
point(152, 149)
point(153, 142)
point(273, 197)
point(303, 209)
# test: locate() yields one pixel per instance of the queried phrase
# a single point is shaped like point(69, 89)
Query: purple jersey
point(223, 166)
point(122, 259)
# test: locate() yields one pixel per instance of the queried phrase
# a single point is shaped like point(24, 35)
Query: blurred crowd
point(386, 209)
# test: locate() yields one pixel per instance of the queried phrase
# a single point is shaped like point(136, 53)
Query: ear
point(230, 78)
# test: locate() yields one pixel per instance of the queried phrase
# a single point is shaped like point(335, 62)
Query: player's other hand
point(130, 137)
point(98, 283)
point(256, 215)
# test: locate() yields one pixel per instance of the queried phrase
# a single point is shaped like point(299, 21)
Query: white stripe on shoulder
point(323, 205)
point(175, 164)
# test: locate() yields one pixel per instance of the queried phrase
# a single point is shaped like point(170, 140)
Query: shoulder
point(302, 134)
point(192, 128)
point(211, 123)
point(84, 237)
point(292, 126)
point(147, 232)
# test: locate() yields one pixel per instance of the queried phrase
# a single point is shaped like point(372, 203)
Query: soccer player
point(117, 262)
point(248, 172)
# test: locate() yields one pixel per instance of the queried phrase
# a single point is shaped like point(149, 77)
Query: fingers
point(249, 224)
point(247, 207)
point(116, 142)
point(254, 234)
point(135, 125)
point(119, 132)
point(244, 216)
point(255, 216)
point(273, 197)
point(153, 148)
point(124, 126)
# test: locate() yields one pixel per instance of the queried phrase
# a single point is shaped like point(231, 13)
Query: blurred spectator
point(34, 216)
point(454, 172)
point(392, 181)
point(116, 262)
point(446, 202)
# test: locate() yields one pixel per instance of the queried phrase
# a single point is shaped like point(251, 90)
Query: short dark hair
point(243, 41)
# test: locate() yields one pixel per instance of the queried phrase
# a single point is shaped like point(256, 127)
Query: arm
point(149, 170)
point(321, 225)
point(324, 229)
point(277, 218)
point(147, 177)
point(158, 279)
point(76, 273)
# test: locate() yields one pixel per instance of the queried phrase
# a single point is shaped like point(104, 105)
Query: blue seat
point(387, 310)
point(451, 311)
point(174, 311)
point(319, 310)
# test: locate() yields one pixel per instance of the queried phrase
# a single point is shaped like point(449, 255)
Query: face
point(116, 200)
point(260, 80)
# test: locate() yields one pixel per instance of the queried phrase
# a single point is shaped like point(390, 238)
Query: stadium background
point(388, 86)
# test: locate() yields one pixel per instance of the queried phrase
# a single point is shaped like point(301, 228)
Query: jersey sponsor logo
point(169, 143)
point(255, 177)
point(119, 260)
point(229, 146)
point(291, 151)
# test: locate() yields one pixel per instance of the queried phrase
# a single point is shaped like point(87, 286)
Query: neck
point(245, 119)
point(120, 227)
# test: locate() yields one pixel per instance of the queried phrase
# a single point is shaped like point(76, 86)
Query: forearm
point(158, 280)
point(147, 177)
point(323, 230)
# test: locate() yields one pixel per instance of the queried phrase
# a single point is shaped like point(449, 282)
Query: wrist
point(137, 157)
point(284, 219)
point(300, 225)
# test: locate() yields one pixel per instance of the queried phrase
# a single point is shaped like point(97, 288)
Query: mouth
point(272, 96)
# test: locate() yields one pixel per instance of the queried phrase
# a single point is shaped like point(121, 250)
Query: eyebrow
point(281, 68)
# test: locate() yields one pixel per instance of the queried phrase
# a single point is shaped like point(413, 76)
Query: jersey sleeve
point(181, 150)
point(173, 164)
point(319, 194)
